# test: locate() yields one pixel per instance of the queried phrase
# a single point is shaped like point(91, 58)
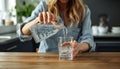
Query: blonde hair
point(76, 10)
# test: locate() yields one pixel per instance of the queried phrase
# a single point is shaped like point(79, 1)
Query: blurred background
point(107, 7)
point(105, 15)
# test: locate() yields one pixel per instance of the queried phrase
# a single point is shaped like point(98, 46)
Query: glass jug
point(43, 31)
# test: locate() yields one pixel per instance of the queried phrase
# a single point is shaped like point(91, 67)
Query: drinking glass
point(65, 52)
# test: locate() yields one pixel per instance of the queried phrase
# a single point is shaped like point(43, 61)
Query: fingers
point(75, 47)
point(54, 22)
point(66, 44)
point(75, 52)
point(74, 43)
point(40, 17)
point(46, 18)
point(43, 17)
point(51, 19)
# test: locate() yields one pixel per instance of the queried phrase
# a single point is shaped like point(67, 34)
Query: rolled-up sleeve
point(40, 8)
point(87, 31)
point(20, 34)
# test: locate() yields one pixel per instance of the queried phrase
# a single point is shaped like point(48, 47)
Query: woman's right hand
point(43, 18)
point(46, 18)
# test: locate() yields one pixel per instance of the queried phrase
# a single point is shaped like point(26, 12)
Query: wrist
point(27, 26)
point(84, 47)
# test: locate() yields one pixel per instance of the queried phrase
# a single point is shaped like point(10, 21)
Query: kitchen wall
point(109, 7)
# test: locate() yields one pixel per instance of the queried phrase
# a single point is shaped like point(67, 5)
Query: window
point(8, 6)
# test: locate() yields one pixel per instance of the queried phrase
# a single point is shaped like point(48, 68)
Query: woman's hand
point(43, 17)
point(46, 18)
point(77, 47)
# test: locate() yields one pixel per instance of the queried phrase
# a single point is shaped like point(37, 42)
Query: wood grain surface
point(32, 60)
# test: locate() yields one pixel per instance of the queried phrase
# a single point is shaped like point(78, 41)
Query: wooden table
point(24, 60)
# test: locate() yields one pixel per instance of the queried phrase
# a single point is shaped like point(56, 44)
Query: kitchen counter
point(108, 35)
point(105, 42)
point(109, 42)
point(32, 60)
point(11, 43)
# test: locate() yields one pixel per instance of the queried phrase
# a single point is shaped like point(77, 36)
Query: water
point(42, 32)
point(65, 53)
point(45, 31)
point(65, 32)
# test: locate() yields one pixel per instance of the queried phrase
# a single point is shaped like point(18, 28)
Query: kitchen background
point(109, 7)
point(13, 12)
point(97, 7)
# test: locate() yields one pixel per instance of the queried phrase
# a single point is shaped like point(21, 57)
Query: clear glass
point(65, 52)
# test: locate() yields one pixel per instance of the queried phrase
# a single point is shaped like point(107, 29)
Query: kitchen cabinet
point(107, 43)
point(15, 45)
point(104, 43)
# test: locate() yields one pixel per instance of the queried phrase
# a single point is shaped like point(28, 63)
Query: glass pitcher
point(43, 31)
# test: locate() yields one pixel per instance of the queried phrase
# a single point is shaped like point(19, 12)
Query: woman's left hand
point(77, 47)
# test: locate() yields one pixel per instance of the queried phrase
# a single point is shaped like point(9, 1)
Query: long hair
point(75, 12)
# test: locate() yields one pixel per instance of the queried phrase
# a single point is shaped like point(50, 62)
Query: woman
point(76, 17)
